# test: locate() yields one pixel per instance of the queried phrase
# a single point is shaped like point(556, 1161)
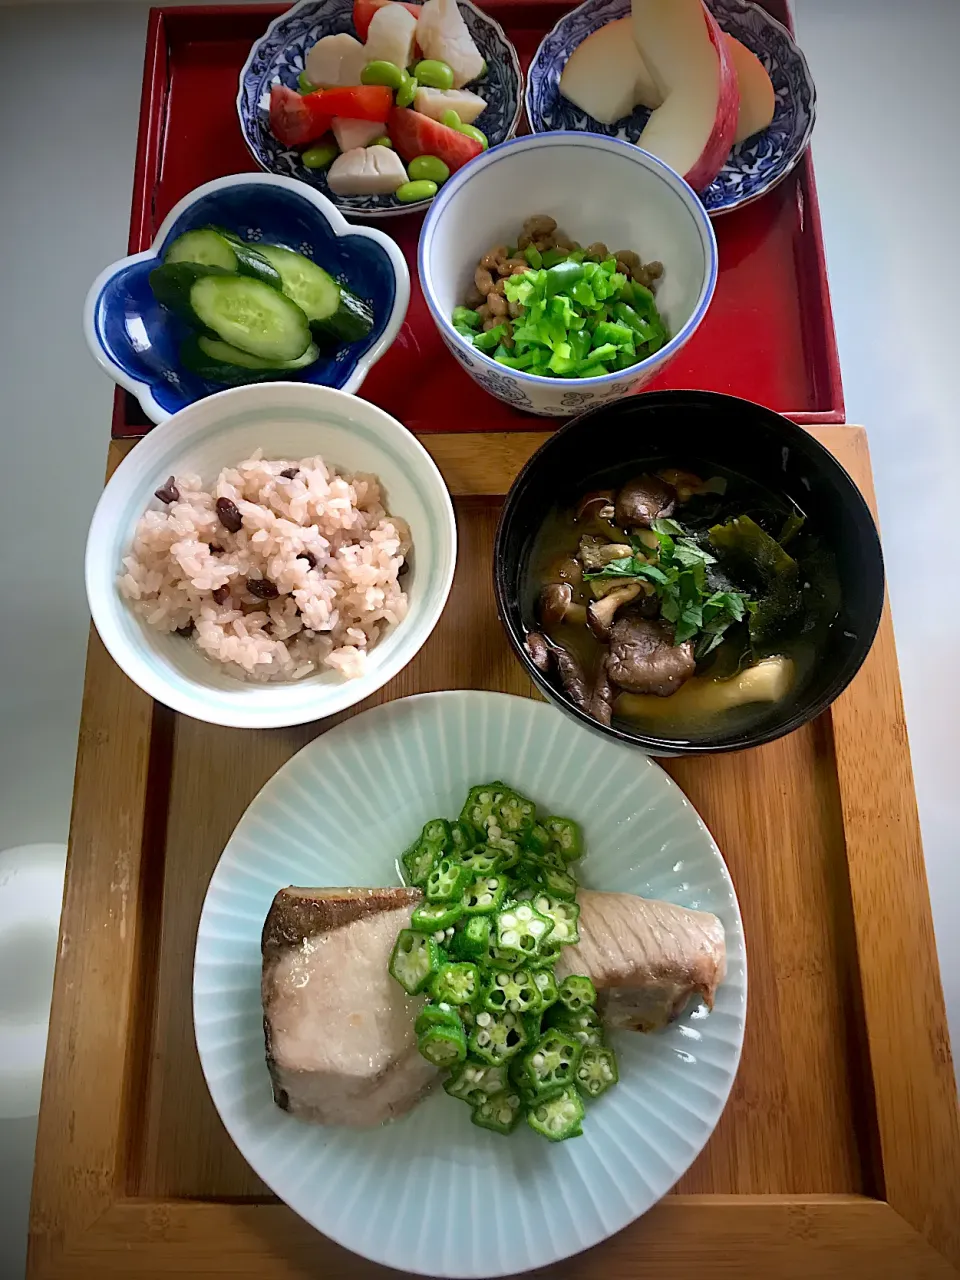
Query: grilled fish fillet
point(339, 1030)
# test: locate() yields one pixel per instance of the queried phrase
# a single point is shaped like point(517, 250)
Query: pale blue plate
point(757, 164)
point(445, 1198)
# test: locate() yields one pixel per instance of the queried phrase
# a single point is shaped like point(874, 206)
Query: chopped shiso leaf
point(497, 912)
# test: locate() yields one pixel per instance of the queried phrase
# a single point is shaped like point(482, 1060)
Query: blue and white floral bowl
point(597, 189)
point(278, 58)
point(756, 165)
point(137, 341)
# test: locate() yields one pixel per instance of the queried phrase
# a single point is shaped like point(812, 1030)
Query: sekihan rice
point(328, 615)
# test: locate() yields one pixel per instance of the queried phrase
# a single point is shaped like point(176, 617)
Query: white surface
point(31, 893)
point(340, 812)
point(889, 193)
point(622, 197)
point(292, 420)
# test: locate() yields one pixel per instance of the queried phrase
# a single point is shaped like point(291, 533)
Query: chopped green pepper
point(414, 960)
point(475, 1081)
point(515, 990)
point(559, 1117)
point(597, 1070)
point(523, 928)
point(567, 836)
point(551, 1063)
point(577, 993)
point(497, 1037)
point(564, 916)
point(443, 1045)
point(464, 316)
point(457, 982)
point(484, 895)
point(447, 881)
point(472, 942)
point(501, 1112)
point(430, 917)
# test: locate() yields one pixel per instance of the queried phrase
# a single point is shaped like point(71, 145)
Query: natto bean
point(221, 594)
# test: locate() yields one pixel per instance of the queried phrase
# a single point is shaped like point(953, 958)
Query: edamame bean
point(321, 156)
point(451, 120)
point(385, 73)
point(407, 91)
point(429, 169)
point(411, 191)
point(304, 85)
point(470, 131)
point(382, 141)
point(435, 74)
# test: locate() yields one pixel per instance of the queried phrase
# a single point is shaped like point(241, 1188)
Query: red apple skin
point(720, 142)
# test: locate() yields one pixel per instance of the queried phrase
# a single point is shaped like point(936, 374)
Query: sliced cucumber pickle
point(215, 247)
point(217, 361)
point(329, 307)
point(250, 315)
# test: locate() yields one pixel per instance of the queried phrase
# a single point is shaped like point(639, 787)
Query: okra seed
point(484, 1019)
point(538, 1060)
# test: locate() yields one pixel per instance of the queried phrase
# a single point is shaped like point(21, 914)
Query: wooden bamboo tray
point(839, 1152)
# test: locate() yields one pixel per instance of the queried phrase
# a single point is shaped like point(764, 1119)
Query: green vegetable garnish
point(578, 319)
point(498, 909)
point(678, 575)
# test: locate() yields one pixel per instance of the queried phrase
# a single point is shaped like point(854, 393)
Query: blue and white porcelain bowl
point(278, 58)
point(137, 341)
point(597, 189)
point(756, 165)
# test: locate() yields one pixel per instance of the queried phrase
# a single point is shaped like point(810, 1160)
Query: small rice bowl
point(310, 580)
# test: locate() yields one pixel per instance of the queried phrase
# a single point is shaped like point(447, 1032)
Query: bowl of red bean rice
point(270, 555)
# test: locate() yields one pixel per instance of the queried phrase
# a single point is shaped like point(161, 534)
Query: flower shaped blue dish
point(137, 341)
point(278, 58)
point(756, 165)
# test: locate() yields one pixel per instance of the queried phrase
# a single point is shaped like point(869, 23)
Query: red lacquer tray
point(768, 335)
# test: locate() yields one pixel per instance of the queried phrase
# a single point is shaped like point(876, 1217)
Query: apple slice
point(605, 75)
point(692, 67)
point(757, 99)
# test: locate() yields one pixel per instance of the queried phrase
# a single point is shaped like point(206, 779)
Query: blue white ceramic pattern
point(758, 163)
point(431, 1193)
point(622, 196)
point(137, 341)
point(278, 58)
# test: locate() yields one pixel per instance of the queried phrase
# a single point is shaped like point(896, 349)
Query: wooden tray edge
point(89, 1102)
